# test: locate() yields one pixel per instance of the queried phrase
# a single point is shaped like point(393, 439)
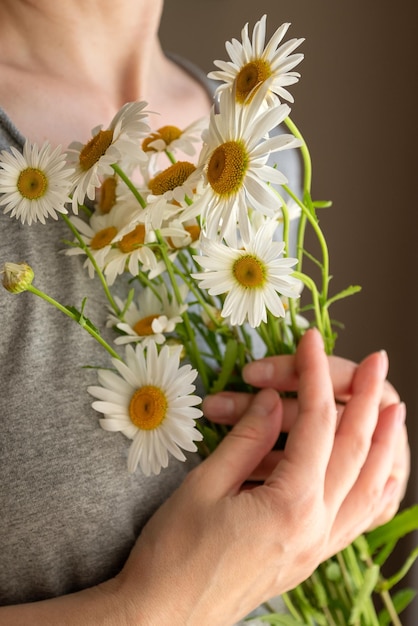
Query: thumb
point(246, 445)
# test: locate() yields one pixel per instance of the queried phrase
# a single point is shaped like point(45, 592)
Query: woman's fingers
point(376, 494)
point(355, 431)
point(310, 441)
point(243, 449)
point(279, 372)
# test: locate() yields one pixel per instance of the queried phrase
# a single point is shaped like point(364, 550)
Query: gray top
point(70, 512)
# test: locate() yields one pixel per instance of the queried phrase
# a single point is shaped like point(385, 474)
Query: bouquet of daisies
point(202, 264)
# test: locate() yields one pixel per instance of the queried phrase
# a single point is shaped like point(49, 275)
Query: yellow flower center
point(32, 183)
point(174, 176)
point(143, 327)
point(249, 271)
point(95, 149)
point(227, 167)
point(132, 240)
point(166, 133)
point(108, 194)
point(148, 407)
point(194, 232)
point(250, 76)
point(103, 237)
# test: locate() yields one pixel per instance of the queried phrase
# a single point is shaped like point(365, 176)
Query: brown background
point(355, 105)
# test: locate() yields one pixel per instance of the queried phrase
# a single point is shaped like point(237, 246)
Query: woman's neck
point(110, 44)
point(67, 67)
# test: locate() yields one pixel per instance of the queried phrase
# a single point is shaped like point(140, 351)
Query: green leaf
point(275, 619)
point(393, 580)
point(400, 600)
point(403, 523)
point(80, 318)
point(322, 204)
point(230, 359)
point(343, 294)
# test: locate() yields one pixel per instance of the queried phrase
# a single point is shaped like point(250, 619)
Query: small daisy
point(93, 160)
point(253, 277)
point(100, 232)
point(152, 319)
point(149, 401)
point(252, 63)
point(172, 139)
point(35, 184)
point(234, 168)
point(173, 183)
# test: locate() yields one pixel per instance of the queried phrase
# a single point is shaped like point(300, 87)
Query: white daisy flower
point(94, 160)
point(35, 184)
point(152, 319)
point(234, 165)
point(253, 62)
point(129, 252)
point(100, 232)
point(173, 183)
point(149, 401)
point(253, 276)
point(173, 139)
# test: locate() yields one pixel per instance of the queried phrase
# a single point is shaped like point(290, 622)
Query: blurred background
point(355, 105)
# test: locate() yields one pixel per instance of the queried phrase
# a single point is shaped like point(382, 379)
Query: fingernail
point(258, 372)
point(401, 414)
point(218, 404)
point(384, 363)
point(264, 402)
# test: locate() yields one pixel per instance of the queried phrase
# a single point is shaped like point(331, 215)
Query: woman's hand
point(214, 551)
point(279, 372)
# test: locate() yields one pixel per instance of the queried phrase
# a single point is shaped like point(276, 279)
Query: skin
point(352, 477)
point(314, 501)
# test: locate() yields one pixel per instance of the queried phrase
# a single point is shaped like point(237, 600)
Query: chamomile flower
point(253, 277)
point(234, 168)
point(34, 184)
point(94, 160)
point(173, 183)
point(130, 252)
point(151, 319)
point(173, 139)
point(149, 400)
point(253, 62)
point(100, 232)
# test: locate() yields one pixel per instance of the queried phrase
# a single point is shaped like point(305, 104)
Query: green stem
point(129, 184)
point(75, 318)
point(307, 161)
point(97, 269)
point(200, 364)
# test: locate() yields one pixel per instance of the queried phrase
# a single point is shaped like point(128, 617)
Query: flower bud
point(17, 277)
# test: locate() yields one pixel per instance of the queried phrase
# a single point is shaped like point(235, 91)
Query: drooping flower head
point(253, 62)
point(34, 184)
point(233, 165)
point(149, 400)
point(252, 276)
point(120, 141)
point(152, 318)
point(172, 139)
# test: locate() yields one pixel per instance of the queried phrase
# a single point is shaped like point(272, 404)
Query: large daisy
point(149, 401)
point(35, 184)
point(253, 62)
point(253, 276)
point(233, 165)
point(94, 160)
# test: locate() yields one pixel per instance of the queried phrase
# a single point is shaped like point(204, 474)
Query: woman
point(71, 514)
